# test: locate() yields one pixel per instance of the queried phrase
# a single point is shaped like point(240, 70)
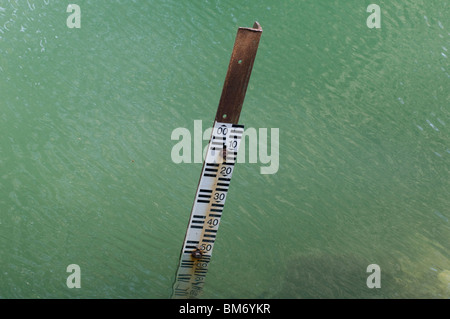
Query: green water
point(86, 175)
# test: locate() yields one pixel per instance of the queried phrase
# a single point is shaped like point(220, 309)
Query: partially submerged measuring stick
point(217, 169)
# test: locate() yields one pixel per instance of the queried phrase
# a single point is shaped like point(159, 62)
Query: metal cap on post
point(238, 74)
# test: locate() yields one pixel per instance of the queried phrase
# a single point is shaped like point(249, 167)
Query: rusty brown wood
point(238, 74)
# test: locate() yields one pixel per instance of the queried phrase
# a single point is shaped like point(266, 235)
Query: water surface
point(86, 175)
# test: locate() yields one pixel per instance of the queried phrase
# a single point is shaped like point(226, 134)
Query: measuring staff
point(217, 169)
